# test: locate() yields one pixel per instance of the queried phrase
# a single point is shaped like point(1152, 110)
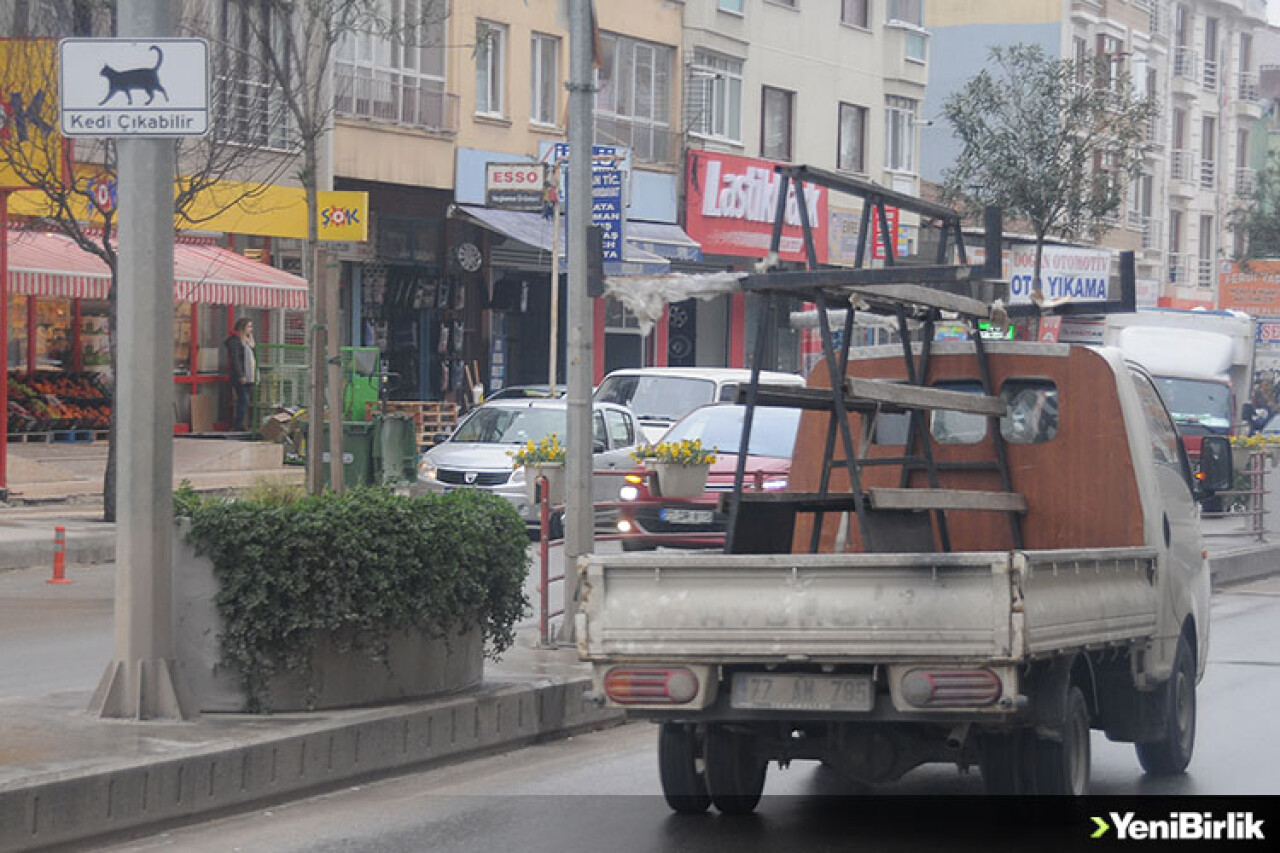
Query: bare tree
point(1051, 141)
point(39, 157)
point(295, 44)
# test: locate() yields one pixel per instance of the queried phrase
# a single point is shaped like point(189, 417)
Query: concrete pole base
point(141, 690)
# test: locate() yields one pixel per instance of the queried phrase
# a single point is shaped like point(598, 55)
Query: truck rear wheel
point(682, 768)
point(735, 773)
point(1171, 754)
point(1006, 761)
point(1062, 766)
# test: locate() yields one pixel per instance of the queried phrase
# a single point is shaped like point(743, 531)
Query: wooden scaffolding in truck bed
point(888, 519)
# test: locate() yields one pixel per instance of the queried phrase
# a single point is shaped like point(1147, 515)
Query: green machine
point(361, 380)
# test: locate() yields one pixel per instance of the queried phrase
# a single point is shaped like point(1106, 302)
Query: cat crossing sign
point(133, 88)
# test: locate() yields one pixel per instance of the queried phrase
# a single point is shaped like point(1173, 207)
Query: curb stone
point(78, 806)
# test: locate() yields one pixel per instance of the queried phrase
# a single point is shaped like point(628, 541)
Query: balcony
point(1157, 19)
point(412, 102)
point(1136, 220)
point(1152, 238)
point(1181, 172)
point(1204, 273)
point(1246, 182)
point(1249, 101)
point(649, 142)
point(1208, 175)
point(1210, 78)
point(248, 112)
point(1187, 74)
point(1179, 269)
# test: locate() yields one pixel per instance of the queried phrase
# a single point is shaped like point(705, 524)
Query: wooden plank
point(908, 396)
point(947, 499)
point(916, 294)
point(796, 397)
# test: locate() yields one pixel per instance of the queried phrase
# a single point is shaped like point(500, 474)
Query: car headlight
point(628, 493)
point(426, 470)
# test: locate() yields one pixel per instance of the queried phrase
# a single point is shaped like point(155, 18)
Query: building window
point(775, 124)
point(1208, 152)
point(734, 6)
point(633, 103)
point(899, 131)
point(907, 11)
point(249, 105)
point(398, 78)
point(491, 42)
point(715, 96)
point(854, 13)
point(544, 75)
point(851, 155)
point(1205, 279)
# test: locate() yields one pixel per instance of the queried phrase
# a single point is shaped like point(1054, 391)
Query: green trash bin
point(357, 453)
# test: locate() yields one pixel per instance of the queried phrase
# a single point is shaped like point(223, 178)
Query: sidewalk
point(68, 776)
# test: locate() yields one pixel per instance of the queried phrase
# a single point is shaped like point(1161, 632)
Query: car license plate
point(761, 691)
point(686, 516)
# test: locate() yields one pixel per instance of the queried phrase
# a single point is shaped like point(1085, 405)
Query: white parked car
point(477, 454)
point(660, 396)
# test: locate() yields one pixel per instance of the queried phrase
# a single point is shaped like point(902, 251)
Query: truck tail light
point(673, 685)
point(950, 688)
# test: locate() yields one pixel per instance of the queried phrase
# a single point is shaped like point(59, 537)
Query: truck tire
point(1006, 763)
point(681, 768)
point(1062, 766)
point(1170, 755)
point(735, 773)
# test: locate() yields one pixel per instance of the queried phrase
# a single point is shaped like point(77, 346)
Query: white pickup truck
point(924, 605)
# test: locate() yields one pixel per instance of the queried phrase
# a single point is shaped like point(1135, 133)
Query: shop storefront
point(58, 352)
point(730, 203)
point(517, 267)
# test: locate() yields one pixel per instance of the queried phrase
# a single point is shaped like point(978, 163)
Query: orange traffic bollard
point(59, 556)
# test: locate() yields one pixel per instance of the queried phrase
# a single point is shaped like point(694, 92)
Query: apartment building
point(836, 85)
point(1197, 58)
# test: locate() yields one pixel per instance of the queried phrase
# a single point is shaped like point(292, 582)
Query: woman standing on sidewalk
point(242, 366)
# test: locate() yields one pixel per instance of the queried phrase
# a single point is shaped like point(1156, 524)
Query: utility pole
point(553, 367)
point(580, 515)
point(143, 681)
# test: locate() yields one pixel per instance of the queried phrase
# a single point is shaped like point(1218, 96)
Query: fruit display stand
point(57, 406)
point(429, 417)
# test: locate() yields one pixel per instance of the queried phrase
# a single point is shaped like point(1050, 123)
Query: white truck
point(1203, 361)
point(1002, 554)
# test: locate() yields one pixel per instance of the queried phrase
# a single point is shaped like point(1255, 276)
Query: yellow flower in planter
point(547, 450)
point(676, 452)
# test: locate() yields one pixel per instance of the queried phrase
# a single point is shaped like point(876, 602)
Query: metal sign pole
point(143, 680)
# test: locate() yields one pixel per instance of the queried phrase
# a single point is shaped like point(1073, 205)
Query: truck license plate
point(758, 691)
point(687, 516)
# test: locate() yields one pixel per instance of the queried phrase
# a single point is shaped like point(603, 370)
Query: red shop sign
point(731, 202)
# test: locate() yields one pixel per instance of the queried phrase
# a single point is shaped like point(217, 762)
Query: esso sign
point(506, 176)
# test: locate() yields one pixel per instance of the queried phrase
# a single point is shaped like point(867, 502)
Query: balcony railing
point(1180, 164)
point(248, 112)
point(1136, 220)
point(1186, 63)
point(1210, 75)
point(1179, 269)
point(414, 102)
point(1246, 182)
point(649, 142)
point(1208, 174)
point(1248, 86)
point(1204, 272)
point(1153, 235)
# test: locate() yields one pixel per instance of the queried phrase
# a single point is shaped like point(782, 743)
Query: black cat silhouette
point(145, 79)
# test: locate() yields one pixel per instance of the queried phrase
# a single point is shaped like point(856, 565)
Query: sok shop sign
point(731, 203)
point(1066, 272)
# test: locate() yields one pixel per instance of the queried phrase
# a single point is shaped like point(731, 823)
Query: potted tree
point(543, 458)
point(678, 468)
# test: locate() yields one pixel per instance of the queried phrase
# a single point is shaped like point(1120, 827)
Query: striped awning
point(49, 264)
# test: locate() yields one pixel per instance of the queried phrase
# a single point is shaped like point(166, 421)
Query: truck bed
point(989, 606)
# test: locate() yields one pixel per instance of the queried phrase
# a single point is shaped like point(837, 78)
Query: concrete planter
point(417, 665)
point(679, 481)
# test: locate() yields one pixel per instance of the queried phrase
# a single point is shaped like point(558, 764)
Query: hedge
point(358, 568)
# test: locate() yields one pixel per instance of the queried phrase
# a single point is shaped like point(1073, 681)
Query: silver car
point(477, 454)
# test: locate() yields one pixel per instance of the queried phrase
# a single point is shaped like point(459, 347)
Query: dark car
point(647, 521)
